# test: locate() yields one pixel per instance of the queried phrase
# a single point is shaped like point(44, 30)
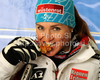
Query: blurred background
point(17, 18)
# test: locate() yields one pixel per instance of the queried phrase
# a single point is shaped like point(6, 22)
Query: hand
point(21, 49)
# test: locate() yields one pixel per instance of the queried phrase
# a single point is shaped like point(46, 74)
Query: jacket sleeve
point(7, 69)
point(18, 75)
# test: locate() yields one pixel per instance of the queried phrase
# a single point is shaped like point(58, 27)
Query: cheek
point(38, 34)
point(63, 39)
point(67, 38)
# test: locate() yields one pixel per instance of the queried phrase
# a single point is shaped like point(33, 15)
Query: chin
point(51, 53)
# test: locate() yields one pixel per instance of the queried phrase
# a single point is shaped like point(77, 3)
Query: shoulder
point(95, 48)
point(97, 55)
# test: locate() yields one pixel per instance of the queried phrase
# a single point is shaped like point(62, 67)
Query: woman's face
point(57, 34)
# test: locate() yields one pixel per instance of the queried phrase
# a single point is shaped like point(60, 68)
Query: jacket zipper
point(56, 73)
point(56, 69)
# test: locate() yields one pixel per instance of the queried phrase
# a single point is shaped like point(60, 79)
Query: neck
point(66, 48)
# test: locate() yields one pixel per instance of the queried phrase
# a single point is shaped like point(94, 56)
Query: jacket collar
point(75, 47)
point(85, 52)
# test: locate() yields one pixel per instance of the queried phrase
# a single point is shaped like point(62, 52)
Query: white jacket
point(78, 67)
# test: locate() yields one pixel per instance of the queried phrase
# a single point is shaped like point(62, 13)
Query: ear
point(71, 29)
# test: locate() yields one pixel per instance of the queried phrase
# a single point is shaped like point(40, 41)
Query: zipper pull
point(56, 72)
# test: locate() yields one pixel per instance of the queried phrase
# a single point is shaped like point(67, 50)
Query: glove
point(21, 49)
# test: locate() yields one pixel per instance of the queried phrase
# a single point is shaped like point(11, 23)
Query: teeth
point(49, 43)
point(52, 45)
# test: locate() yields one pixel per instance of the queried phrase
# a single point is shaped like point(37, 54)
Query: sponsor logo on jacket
point(77, 74)
point(38, 74)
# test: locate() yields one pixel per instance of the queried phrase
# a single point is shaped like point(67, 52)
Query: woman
point(72, 55)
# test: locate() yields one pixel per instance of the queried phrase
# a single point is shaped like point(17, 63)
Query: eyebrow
point(39, 25)
point(53, 25)
point(57, 25)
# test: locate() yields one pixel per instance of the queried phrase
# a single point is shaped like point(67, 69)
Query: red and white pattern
point(77, 74)
point(50, 8)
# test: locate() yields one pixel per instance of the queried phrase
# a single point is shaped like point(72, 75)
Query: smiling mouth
point(46, 47)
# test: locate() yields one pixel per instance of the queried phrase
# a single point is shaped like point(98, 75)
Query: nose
point(47, 36)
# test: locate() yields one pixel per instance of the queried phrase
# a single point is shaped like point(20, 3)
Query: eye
point(40, 28)
point(56, 29)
